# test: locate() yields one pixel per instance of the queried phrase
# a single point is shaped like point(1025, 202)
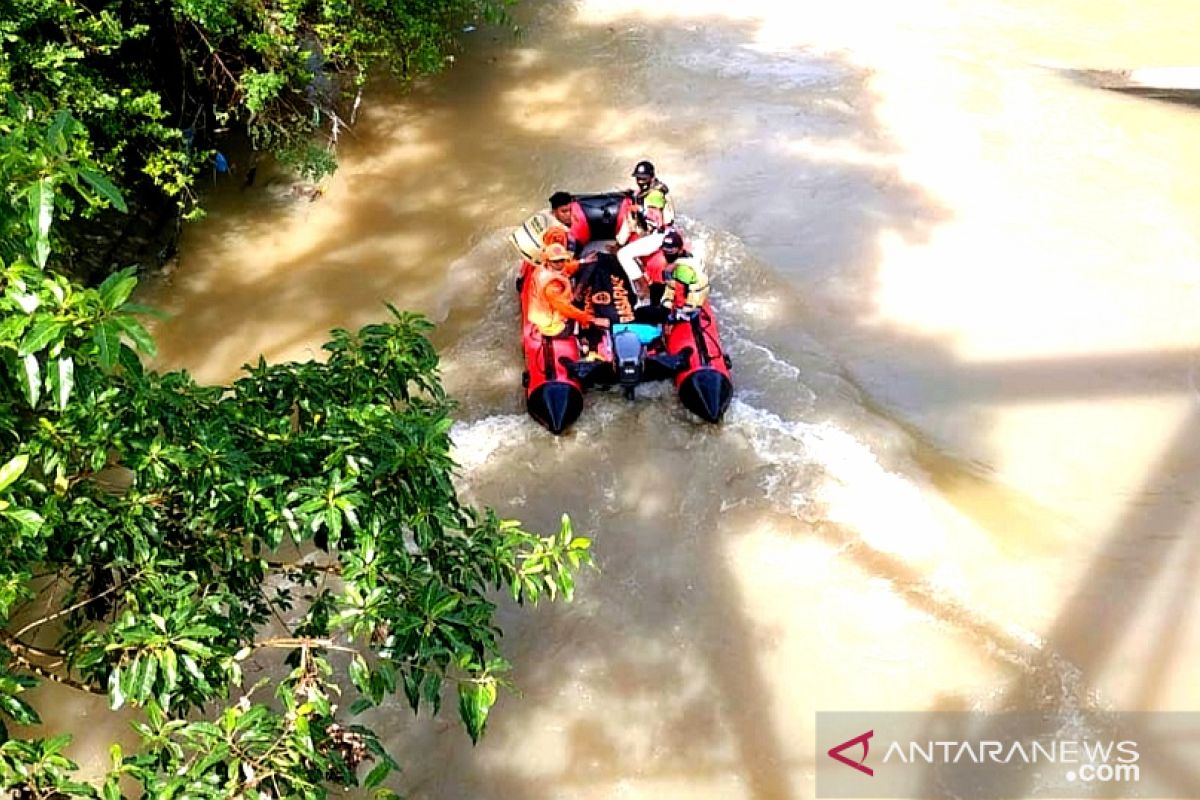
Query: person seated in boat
point(639, 258)
point(687, 286)
point(647, 183)
point(550, 308)
point(555, 235)
point(633, 222)
point(567, 212)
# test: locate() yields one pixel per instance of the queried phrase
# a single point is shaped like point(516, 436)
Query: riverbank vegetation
point(160, 87)
point(160, 537)
point(247, 571)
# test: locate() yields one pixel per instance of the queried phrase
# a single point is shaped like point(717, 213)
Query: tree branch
point(17, 648)
point(300, 566)
point(71, 609)
point(291, 642)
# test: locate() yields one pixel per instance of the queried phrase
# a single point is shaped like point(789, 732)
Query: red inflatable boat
point(647, 347)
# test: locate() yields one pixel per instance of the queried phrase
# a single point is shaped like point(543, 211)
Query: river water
point(960, 291)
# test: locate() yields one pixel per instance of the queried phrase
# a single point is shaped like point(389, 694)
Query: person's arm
point(695, 290)
point(561, 302)
point(668, 209)
point(697, 294)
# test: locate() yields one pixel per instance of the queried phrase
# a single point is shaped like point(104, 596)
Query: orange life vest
point(548, 319)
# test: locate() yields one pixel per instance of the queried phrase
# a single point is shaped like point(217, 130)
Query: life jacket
point(629, 226)
point(668, 206)
point(654, 266)
point(687, 296)
point(580, 233)
point(543, 315)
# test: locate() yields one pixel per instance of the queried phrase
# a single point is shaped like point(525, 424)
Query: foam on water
point(825, 468)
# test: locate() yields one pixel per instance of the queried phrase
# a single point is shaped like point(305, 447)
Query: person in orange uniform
point(550, 306)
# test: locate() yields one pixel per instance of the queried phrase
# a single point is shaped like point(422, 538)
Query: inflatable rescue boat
point(641, 344)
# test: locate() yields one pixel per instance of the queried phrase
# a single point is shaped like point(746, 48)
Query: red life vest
point(580, 233)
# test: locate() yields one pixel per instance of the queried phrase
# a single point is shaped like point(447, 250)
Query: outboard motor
point(629, 355)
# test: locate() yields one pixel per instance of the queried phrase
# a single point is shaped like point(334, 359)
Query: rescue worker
point(686, 279)
point(633, 221)
point(550, 307)
point(641, 248)
point(648, 182)
point(569, 213)
point(555, 235)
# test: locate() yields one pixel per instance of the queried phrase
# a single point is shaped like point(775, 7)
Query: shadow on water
point(653, 676)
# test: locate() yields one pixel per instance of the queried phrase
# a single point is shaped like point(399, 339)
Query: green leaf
point(29, 520)
point(412, 687)
point(149, 311)
point(431, 691)
point(12, 327)
point(147, 676)
point(444, 606)
point(19, 710)
point(13, 470)
point(360, 674)
point(377, 775)
point(56, 743)
point(42, 334)
point(64, 381)
point(54, 134)
point(116, 289)
point(170, 669)
point(41, 214)
point(475, 700)
point(566, 583)
point(108, 342)
point(139, 335)
point(104, 188)
point(31, 379)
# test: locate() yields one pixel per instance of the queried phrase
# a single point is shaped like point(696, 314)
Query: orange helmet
point(555, 235)
point(556, 252)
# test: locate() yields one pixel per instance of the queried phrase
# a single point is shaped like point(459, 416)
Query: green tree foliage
point(157, 535)
point(156, 82)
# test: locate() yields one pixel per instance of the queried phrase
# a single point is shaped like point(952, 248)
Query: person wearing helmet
point(648, 184)
point(550, 307)
point(568, 213)
point(556, 235)
point(685, 277)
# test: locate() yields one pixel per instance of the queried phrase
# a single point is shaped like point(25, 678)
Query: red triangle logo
point(861, 765)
